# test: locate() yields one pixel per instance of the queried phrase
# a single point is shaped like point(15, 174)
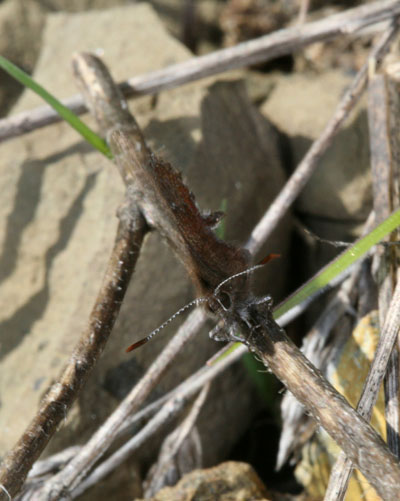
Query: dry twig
point(167, 467)
point(255, 51)
point(343, 467)
point(62, 394)
point(303, 11)
point(383, 112)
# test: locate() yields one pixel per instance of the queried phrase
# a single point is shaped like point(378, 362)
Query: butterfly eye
point(225, 300)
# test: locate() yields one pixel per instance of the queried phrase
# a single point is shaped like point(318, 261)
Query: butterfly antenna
point(262, 263)
point(143, 341)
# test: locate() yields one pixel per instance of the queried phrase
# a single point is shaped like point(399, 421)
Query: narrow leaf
point(75, 122)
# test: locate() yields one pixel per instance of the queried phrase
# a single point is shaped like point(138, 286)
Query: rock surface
point(226, 482)
point(337, 199)
point(21, 25)
point(58, 223)
point(338, 196)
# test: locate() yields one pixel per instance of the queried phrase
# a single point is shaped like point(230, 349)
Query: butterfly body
point(170, 207)
point(238, 318)
point(220, 271)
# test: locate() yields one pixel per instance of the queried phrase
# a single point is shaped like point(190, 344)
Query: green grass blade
point(340, 263)
point(87, 133)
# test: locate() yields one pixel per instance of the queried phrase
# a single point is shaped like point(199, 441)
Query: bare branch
point(255, 51)
point(303, 11)
point(62, 394)
point(54, 462)
point(167, 466)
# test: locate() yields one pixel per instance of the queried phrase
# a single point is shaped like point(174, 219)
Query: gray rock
point(337, 198)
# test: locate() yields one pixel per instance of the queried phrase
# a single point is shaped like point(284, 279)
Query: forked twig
point(255, 51)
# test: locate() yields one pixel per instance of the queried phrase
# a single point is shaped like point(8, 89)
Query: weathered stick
point(165, 466)
point(62, 394)
point(255, 51)
point(384, 123)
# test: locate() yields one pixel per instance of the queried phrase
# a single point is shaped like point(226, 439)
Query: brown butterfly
point(219, 270)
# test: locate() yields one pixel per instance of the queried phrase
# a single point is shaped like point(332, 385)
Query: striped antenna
point(143, 341)
point(262, 263)
point(198, 301)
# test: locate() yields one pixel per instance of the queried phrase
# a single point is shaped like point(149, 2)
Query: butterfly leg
point(225, 334)
point(264, 300)
point(219, 333)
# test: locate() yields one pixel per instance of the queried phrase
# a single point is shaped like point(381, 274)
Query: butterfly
point(219, 271)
